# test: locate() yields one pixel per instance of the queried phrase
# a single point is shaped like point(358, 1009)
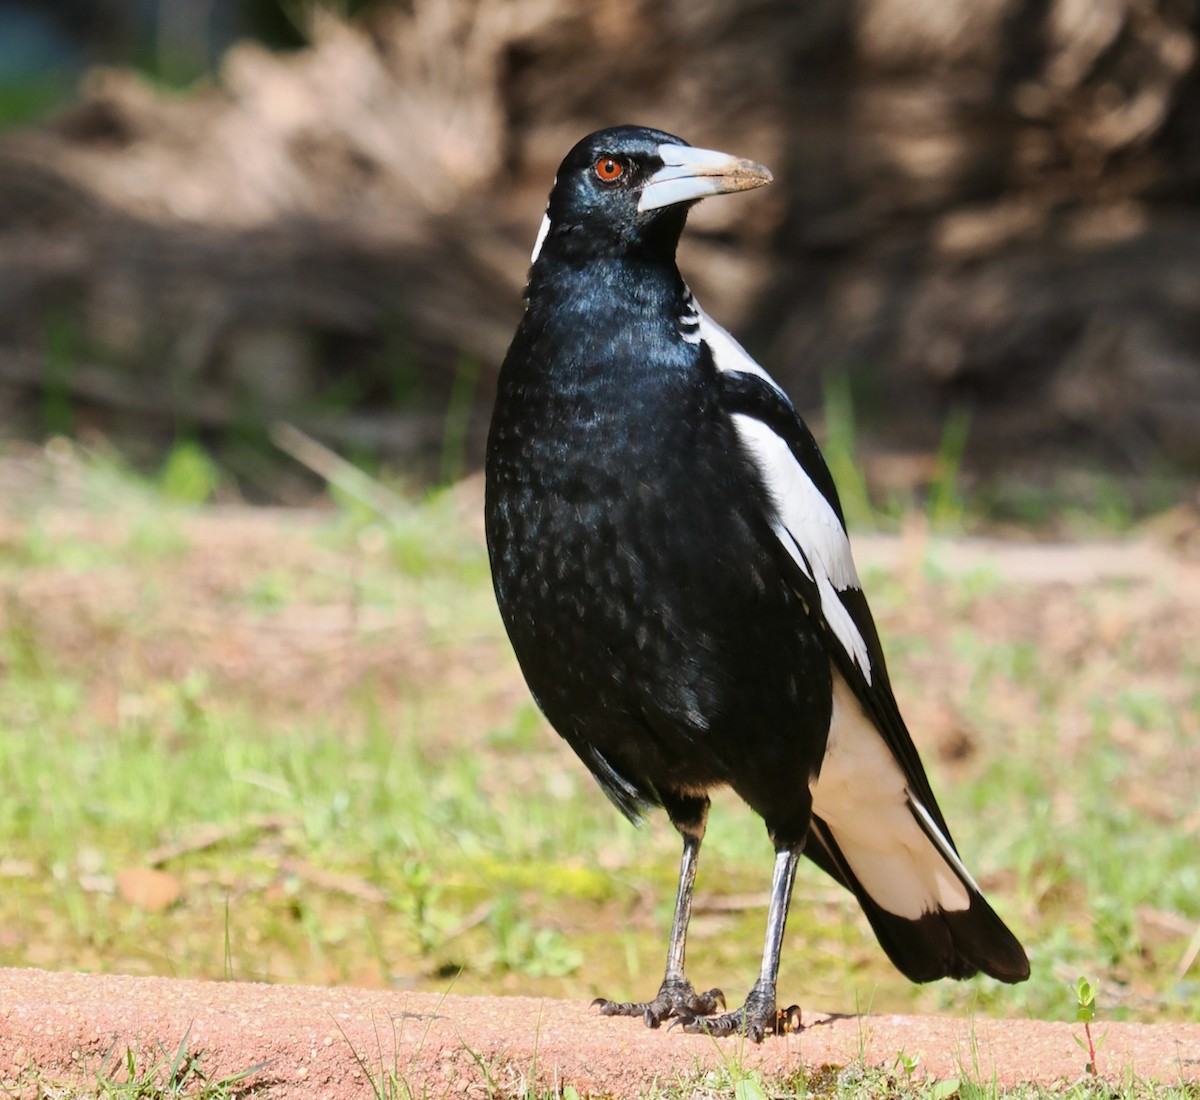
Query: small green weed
point(27, 96)
point(839, 446)
point(946, 507)
point(520, 947)
point(188, 475)
point(386, 1077)
point(63, 347)
point(458, 419)
point(1085, 1013)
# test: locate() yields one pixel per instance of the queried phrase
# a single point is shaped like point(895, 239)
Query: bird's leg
point(675, 996)
point(757, 1016)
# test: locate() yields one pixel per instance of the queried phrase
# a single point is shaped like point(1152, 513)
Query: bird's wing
point(811, 528)
point(876, 826)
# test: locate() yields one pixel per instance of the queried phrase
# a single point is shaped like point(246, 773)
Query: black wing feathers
point(742, 392)
point(753, 395)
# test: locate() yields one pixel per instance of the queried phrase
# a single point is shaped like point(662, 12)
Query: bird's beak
point(689, 174)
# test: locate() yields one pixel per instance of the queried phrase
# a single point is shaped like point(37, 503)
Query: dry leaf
point(148, 889)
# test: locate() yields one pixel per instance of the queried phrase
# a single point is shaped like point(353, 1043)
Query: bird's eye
point(609, 169)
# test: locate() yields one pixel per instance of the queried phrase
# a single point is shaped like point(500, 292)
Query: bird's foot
point(676, 997)
point(756, 1019)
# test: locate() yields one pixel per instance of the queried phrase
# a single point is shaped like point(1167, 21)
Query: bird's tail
point(926, 909)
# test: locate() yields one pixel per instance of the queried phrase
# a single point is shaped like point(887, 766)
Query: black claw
point(755, 1019)
point(697, 1025)
point(695, 1012)
point(675, 998)
point(720, 1027)
point(616, 1008)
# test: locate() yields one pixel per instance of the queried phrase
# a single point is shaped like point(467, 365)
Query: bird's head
point(630, 187)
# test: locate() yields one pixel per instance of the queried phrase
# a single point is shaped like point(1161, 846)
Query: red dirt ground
point(309, 1041)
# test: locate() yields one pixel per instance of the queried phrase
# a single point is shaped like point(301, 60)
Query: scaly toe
point(675, 998)
point(619, 1008)
point(755, 1019)
point(731, 1023)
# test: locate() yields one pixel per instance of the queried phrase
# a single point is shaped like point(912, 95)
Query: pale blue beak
point(689, 174)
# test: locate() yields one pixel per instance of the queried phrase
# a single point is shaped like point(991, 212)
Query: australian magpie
point(671, 563)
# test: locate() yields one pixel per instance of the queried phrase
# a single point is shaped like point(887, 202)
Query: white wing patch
point(905, 864)
point(727, 353)
point(807, 525)
point(809, 529)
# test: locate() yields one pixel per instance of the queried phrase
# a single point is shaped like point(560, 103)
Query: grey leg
point(675, 996)
point(758, 1015)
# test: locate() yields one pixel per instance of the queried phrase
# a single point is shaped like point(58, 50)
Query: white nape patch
point(809, 529)
point(862, 795)
point(541, 238)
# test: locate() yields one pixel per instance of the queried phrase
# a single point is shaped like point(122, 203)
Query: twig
point(209, 836)
point(1189, 956)
point(731, 903)
point(336, 470)
point(473, 919)
point(350, 885)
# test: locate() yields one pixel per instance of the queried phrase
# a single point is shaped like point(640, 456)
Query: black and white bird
point(671, 563)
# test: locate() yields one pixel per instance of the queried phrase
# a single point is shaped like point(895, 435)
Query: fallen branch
point(205, 837)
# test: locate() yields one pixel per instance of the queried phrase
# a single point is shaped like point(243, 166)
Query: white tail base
point(861, 794)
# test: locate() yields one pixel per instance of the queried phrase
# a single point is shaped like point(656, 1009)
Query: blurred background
point(218, 214)
point(271, 252)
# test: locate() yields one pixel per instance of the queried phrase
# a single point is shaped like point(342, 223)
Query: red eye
point(609, 169)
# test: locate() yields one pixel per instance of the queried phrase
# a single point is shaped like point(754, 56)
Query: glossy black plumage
point(681, 624)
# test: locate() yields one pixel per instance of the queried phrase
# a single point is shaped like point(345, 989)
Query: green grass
point(314, 725)
point(138, 1075)
point(135, 1074)
point(1049, 493)
point(27, 99)
point(872, 1084)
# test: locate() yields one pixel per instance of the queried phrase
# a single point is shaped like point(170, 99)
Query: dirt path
point(315, 1042)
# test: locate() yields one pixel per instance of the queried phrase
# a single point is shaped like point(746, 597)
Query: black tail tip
point(981, 943)
point(948, 944)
